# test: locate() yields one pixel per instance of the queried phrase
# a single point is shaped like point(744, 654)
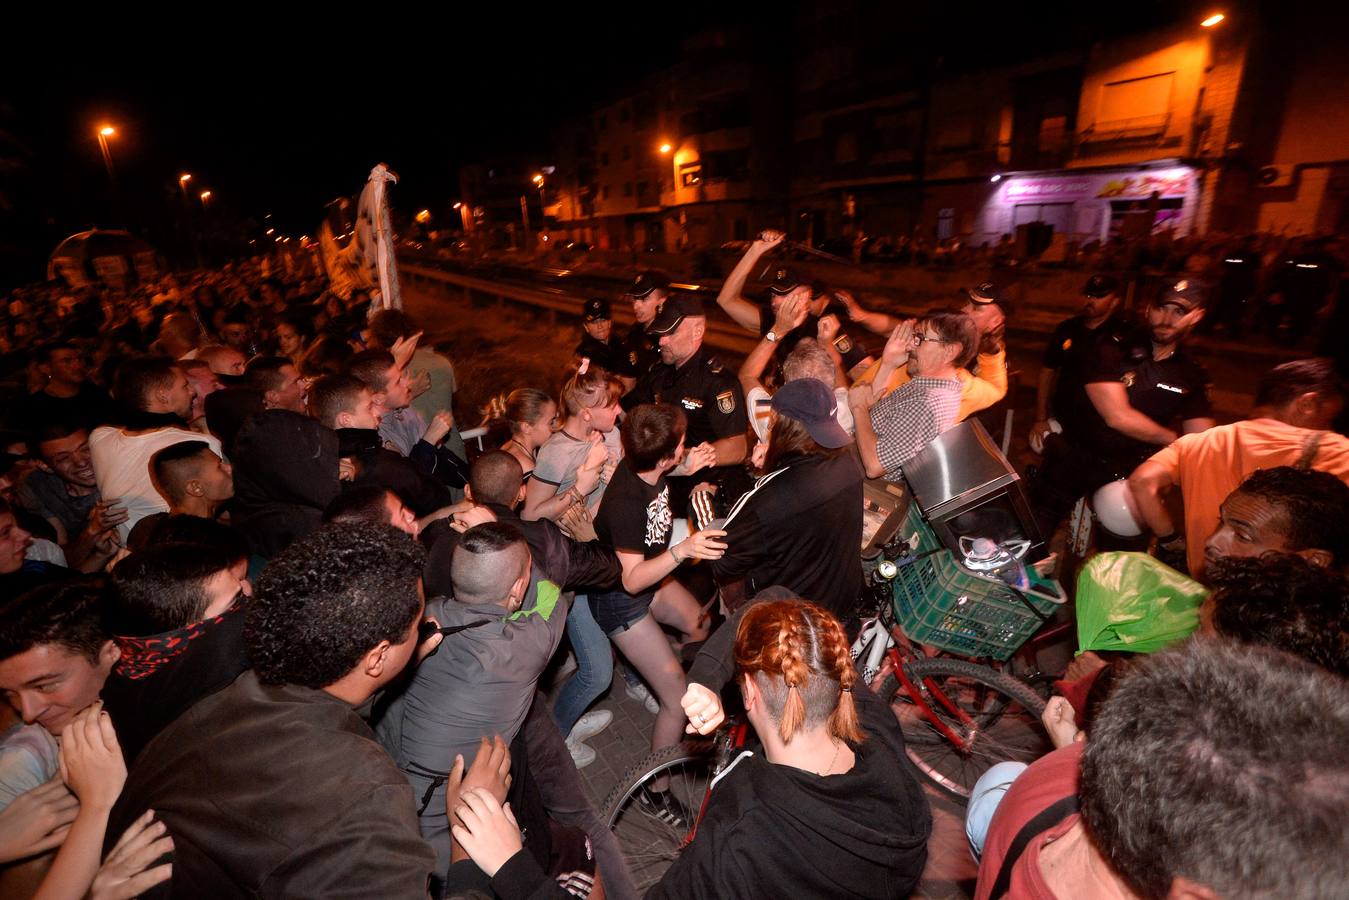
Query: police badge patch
point(1129, 378)
point(843, 343)
point(726, 402)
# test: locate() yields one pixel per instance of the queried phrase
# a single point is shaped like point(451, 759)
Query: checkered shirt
point(907, 419)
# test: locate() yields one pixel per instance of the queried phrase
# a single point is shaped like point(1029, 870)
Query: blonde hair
point(522, 406)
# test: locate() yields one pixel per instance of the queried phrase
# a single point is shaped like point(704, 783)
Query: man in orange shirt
point(1294, 407)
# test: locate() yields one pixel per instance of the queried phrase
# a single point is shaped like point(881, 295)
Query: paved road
point(495, 350)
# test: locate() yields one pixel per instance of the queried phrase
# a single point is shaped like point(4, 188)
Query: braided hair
point(798, 655)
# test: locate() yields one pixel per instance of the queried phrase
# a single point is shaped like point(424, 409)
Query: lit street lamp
point(538, 180)
point(104, 133)
point(665, 147)
point(1212, 20)
point(205, 195)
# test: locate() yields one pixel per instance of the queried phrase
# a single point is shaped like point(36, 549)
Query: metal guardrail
point(721, 332)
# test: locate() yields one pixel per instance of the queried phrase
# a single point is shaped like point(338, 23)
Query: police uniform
point(610, 355)
point(712, 401)
point(640, 350)
point(784, 282)
point(1090, 453)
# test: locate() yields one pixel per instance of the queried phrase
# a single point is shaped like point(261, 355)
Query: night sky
point(282, 120)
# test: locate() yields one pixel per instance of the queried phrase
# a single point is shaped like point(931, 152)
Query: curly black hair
point(326, 600)
point(64, 613)
point(1315, 505)
point(1283, 601)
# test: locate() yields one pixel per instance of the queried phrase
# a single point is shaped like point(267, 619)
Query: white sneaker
point(581, 754)
point(589, 725)
point(642, 694)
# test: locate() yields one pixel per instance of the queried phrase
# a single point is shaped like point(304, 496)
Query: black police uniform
point(610, 355)
point(1072, 350)
point(1303, 281)
point(1240, 277)
point(641, 349)
point(1090, 453)
point(714, 405)
point(851, 351)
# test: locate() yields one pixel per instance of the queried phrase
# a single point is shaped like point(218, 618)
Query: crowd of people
point(267, 628)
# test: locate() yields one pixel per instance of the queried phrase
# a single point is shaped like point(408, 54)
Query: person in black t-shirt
point(1144, 395)
point(636, 519)
point(68, 396)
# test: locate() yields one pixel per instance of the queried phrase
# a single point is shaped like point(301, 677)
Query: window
point(627, 189)
point(845, 148)
point(643, 188)
point(627, 151)
point(946, 218)
point(691, 174)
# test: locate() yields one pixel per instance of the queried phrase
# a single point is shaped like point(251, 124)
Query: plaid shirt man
point(907, 419)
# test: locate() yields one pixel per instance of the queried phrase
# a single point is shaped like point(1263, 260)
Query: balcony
point(1140, 129)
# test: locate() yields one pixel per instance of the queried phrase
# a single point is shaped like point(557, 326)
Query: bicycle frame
point(877, 647)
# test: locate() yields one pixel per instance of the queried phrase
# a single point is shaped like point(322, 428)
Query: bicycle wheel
point(649, 843)
point(991, 718)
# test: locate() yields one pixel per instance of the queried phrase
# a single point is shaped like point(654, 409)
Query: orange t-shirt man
point(1209, 465)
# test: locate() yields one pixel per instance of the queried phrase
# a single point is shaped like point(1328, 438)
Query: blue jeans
point(594, 666)
point(984, 800)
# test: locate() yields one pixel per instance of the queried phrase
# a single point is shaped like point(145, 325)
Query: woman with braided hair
point(826, 808)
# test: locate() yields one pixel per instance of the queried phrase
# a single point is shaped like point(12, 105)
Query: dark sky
point(281, 119)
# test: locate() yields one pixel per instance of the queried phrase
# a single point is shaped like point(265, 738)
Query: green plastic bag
point(1130, 601)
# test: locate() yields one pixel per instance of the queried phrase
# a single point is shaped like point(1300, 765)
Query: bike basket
point(940, 603)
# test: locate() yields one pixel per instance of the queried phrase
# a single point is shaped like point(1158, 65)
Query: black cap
point(1189, 293)
point(1101, 286)
point(987, 292)
point(597, 308)
point(784, 281)
point(812, 403)
point(673, 311)
point(648, 281)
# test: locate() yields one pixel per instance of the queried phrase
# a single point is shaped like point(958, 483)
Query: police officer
point(690, 377)
point(600, 345)
point(1070, 355)
point(823, 303)
point(1299, 286)
point(648, 291)
point(1142, 394)
point(1240, 267)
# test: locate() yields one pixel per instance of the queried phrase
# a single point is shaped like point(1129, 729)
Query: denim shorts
point(618, 611)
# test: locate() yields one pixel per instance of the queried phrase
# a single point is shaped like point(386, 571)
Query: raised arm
point(790, 315)
point(731, 299)
point(871, 320)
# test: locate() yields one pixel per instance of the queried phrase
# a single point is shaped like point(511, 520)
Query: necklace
point(838, 745)
point(532, 454)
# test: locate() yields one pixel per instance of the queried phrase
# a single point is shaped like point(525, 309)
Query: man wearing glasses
point(892, 430)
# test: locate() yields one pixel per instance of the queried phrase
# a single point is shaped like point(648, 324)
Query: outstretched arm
point(731, 299)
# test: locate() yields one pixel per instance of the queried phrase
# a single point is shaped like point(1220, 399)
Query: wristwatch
point(771, 337)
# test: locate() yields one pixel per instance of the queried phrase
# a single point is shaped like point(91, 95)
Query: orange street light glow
point(107, 131)
point(205, 195)
point(538, 179)
point(458, 205)
point(665, 148)
point(424, 216)
point(184, 178)
point(1212, 20)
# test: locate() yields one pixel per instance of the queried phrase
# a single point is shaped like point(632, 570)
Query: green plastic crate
point(940, 603)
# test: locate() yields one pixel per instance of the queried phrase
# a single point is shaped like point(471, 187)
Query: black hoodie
point(379, 466)
point(778, 831)
point(285, 475)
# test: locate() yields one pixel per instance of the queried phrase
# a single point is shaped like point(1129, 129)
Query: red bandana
point(143, 656)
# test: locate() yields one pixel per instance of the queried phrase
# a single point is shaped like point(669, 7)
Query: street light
point(1212, 20)
point(543, 220)
point(205, 195)
point(105, 132)
point(424, 216)
point(665, 147)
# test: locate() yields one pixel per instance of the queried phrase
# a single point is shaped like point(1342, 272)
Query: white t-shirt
point(122, 467)
point(758, 412)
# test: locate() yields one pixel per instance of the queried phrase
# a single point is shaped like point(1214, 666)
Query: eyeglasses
point(920, 338)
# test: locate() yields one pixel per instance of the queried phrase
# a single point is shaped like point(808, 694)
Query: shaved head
point(491, 564)
point(495, 477)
